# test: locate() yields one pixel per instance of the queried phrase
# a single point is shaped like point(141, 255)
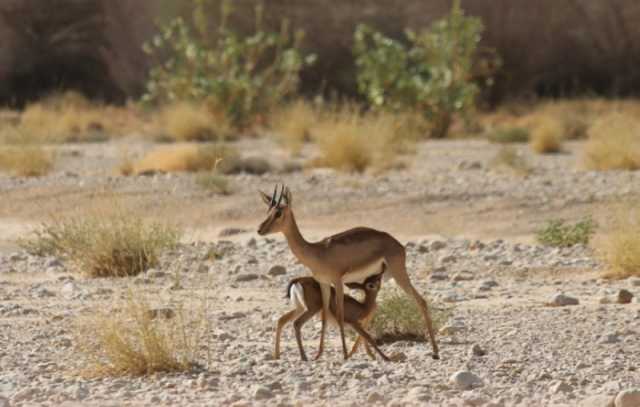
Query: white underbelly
point(361, 274)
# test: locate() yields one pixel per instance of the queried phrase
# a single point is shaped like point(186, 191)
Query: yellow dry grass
point(547, 135)
point(620, 248)
point(187, 158)
point(26, 160)
point(189, 122)
point(293, 124)
point(138, 340)
point(614, 143)
point(351, 141)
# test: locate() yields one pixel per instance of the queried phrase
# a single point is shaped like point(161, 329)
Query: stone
point(43, 293)
point(226, 232)
point(635, 281)
point(477, 350)
point(165, 313)
point(610, 338)
point(489, 283)
point(465, 380)
point(628, 398)
point(624, 297)
point(562, 300)
point(262, 393)
point(246, 277)
point(452, 328)
point(203, 268)
point(439, 276)
point(561, 387)
point(374, 397)
point(437, 245)
point(277, 270)
point(464, 275)
point(69, 289)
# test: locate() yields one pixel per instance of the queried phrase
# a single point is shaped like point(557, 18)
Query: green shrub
point(397, 317)
point(432, 75)
point(111, 244)
point(509, 135)
point(242, 75)
point(558, 233)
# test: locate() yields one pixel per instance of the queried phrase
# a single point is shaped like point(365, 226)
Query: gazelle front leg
point(340, 315)
point(326, 298)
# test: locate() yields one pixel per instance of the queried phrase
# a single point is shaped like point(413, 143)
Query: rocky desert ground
point(530, 325)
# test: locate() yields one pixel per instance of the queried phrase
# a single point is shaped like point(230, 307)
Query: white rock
point(69, 289)
point(465, 380)
point(374, 397)
point(561, 387)
point(561, 300)
point(628, 398)
point(262, 393)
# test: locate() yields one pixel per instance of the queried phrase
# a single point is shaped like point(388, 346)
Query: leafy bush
point(242, 75)
point(432, 75)
point(620, 248)
point(509, 135)
point(397, 317)
point(135, 340)
point(558, 233)
point(104, 245)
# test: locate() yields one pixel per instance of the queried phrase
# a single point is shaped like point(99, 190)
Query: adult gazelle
point(347, 257)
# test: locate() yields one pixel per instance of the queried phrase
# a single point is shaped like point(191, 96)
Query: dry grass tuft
point(107, 244)
point(26, 160)
point(293, 123)
point(352, 141)
point(506, 135)
point(188, 158)
point(614, 143)
point(188, 122)
point(398, 317)
point(136, 341)
point(509, 158)
point(546, 136)
point(620, 248)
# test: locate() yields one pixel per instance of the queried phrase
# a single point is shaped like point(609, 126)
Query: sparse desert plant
point(243, 75)
point(293, 124)
point(432, 75)
point(620, 247)
point(559, 233)
point(546, 136)
point(184, 121)
point(614, 143)
point(398, 318)
point(26, 160)
point(189, 158)
point(509, 158)
point(509, 135)
point(137, 340)
point(214, 182)
point(113, 244)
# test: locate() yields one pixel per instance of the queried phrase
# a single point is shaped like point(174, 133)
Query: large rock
point(597, 401)
point(624, 297)
point(562, 300)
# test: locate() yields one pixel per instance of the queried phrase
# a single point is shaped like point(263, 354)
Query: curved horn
point(273, 197)
point(281, 194)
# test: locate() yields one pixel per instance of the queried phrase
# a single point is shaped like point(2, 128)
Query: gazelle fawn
point(306, 295)
point(347, 257)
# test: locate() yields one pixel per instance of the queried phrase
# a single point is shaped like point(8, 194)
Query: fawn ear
point(265, 198)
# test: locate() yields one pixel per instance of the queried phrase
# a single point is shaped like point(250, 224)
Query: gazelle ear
point(265, 198)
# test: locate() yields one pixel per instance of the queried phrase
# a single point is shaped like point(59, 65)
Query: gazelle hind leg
point(398, 270)
point(340, 315)
point(326, 297)
point(297, 326)
point(282, 321)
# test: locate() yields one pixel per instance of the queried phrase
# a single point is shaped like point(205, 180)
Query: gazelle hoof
point(436, 356)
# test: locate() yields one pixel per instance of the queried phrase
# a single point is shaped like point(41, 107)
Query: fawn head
point(279, 212)
point(371, 284)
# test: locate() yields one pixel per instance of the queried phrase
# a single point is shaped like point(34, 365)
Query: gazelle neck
point(297, 243)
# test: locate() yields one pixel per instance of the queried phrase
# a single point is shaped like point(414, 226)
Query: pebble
point(477, 350)
point(243, 278)
point(561, 300)
point(262, 393)
point(277, 270)
point(465, 380)
point(624, 297)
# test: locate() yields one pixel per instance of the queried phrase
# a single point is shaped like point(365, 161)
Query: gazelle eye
point(278, 213)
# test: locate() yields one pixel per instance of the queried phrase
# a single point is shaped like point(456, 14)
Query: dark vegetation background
point(548, 47)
